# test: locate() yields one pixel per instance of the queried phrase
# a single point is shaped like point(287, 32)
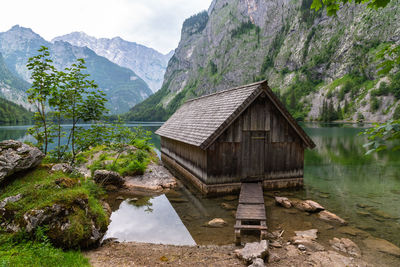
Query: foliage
point(129, 149)
point(381, 135)
point(274, 49)
point(150, 109)
point(71, 96)
point(196, 23)
point(328, 112)
point(132, 162)
point(44, 83)
point(13, 113)
point(244, 28)
point(333, 6)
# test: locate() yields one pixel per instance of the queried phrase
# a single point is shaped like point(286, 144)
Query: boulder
point(68, 226)
point(217, 222)
point(345, 245)
point(383, 246)
point(283, 201)
point(331, 217)
point(16, 156)
point(252, 251)
point(309, 206)
point(104, 178)
point(156, 178)
point(64, 167)
point(257, 263)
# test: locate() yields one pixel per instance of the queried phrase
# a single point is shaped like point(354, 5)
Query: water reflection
point(151, 220)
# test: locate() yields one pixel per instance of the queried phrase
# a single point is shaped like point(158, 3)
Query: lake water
point(365, 190)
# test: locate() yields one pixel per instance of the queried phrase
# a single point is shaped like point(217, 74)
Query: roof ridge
point(224, 91)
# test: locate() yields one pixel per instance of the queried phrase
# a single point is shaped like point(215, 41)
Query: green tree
point(83, 102)
point(44, 83)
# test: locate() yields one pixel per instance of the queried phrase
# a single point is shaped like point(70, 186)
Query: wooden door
point(253, 155)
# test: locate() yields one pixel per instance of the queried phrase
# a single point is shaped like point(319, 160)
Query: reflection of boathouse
point(241, 134)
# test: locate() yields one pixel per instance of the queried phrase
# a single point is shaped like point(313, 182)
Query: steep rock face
point(146, 62)
point(307, 56)
point(122, 86)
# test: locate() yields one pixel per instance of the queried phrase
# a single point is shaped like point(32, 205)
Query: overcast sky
point(154, 23)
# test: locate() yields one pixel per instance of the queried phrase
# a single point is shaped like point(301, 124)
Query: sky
point(153, 23)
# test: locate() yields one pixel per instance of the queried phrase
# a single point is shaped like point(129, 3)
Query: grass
point(25, 253)
point(130, 163)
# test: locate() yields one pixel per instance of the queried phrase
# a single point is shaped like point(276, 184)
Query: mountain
point(13, 113)
point(146, 62)
point(321, 67)
point(12, 87)
point(122, 86)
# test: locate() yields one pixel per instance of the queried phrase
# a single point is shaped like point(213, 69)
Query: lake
point(365, 190)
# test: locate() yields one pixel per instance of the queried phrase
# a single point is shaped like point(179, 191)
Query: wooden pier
point(250, 214)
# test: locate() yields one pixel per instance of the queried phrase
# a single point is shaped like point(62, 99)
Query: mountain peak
point(146, 62)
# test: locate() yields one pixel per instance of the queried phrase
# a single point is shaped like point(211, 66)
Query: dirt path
point(143, 254)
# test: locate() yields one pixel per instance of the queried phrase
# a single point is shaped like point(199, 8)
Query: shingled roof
point(202, 120)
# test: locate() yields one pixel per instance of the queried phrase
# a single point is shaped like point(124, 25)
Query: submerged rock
point(352, 231)
point(305, 240)
point(283, 201)
point(228, 206)
point(309, 206)
point(104, 178)
point(217, 222)
point(16, 156)
point(345, 245)
point(252, 251)
point(307, 234)
point(230, 198)
point(382, 246)
point(331, 217)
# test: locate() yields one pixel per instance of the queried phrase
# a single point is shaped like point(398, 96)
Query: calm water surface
point(365, 190)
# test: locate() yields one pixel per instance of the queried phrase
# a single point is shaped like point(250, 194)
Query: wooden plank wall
point(190, 157)
point(240, 152)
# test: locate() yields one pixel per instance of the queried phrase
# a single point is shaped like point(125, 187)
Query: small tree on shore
point(69, 94)
point(44, 84)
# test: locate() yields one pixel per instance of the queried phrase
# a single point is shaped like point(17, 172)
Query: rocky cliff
point(147, 63)
point(122, 86)
point(316, 64)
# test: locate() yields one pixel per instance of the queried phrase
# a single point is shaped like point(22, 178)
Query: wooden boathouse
point(243, 134)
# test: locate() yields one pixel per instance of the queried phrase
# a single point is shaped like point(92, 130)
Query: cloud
point(154, 23)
